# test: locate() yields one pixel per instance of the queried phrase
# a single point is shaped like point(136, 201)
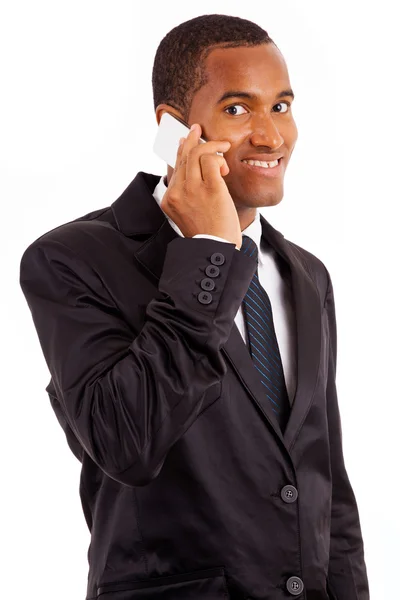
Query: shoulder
point(82, 236)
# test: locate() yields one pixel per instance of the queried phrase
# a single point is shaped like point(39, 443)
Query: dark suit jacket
point(189, 488)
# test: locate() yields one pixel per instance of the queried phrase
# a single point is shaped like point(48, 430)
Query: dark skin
point(260, 126)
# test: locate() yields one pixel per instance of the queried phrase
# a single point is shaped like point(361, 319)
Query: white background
point(77, 124)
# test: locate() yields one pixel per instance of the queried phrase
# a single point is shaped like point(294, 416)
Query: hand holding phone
point(197, 198)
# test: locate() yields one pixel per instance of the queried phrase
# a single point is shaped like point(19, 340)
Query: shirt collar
point(254, 230)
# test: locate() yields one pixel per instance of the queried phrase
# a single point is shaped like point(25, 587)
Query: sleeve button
point(217, 258)
point(212, 271)
point(207, 284)
point(204, 297)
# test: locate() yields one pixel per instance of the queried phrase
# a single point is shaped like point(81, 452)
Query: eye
point(234, 106)
point(280, 104)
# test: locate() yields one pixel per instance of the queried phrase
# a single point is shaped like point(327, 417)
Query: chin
point(261, 199)
point(272, 201)
point(249, 194)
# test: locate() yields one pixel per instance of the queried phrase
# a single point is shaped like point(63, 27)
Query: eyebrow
point(239, 94)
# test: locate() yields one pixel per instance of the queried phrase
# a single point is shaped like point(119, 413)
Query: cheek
point(233, 162)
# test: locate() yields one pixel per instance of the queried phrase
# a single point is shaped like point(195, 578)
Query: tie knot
point(249, 246)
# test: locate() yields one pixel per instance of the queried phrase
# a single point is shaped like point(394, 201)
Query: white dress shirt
point(278, 289)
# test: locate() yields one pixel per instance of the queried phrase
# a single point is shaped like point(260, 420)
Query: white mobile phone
point(170, 131)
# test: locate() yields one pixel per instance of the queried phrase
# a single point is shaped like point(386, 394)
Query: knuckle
point(183, 159)
point(173, 197)
point(180, 164)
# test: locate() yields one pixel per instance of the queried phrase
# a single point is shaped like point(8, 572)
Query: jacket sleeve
point(129, 396)
point(347, 575)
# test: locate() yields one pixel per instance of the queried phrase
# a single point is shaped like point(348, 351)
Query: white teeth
point(262, 163)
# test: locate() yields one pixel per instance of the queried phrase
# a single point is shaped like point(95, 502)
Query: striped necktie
point(263, 345)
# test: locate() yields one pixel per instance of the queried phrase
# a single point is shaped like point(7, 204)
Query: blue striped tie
point(263, 345)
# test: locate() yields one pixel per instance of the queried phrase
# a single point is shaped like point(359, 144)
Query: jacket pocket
point(198, 585)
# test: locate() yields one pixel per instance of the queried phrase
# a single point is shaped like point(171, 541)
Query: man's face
point(257, 128)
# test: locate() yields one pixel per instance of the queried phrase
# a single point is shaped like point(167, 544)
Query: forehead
point(244, 67)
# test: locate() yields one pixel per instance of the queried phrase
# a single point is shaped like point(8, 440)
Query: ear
point(162, 108)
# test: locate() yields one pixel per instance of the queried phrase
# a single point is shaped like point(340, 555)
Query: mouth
point(262, 168)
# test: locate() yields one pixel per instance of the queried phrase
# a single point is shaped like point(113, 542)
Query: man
point(192, 352)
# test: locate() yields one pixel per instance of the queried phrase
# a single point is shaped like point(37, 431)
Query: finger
point(211, 166)
point(179, 171)
point(193, 170)
point(190, 142)
point(179, 151)
point(193, 137)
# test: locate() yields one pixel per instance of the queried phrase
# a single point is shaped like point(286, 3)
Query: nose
point(266, 133)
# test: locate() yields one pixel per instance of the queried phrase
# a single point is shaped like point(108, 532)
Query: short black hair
point(179, 63)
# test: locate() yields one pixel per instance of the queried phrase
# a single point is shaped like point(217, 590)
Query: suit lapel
point(307, 307)
point(138, 215)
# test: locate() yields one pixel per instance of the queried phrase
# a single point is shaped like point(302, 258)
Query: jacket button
point(295, 585)
point(289, 494)
point(212, 271)
point(217, 258)
point(204, 297)
point(207, 284)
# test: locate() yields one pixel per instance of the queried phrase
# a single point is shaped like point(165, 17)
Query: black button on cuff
point(204, 297)
point(207, 284)
point(212, 271)
point(289, 494)
point(294, 585)
point(217, 258)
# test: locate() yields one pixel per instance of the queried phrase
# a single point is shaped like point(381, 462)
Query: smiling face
point(256, 119)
